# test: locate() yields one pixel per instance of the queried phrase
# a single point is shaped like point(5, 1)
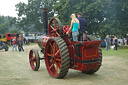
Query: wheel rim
point(55, 27)
point(32, 59)
point(53, 58)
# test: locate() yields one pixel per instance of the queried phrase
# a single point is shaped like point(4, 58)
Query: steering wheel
point(66, 28)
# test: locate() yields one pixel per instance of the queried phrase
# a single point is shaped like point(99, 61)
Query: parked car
point(10, 36)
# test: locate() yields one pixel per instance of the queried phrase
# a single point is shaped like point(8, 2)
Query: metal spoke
point(49, 55)
point(51, 46)
point(53, 34)
point(54, 47)
point(51, 65)
point(54, 23)
point(57, 65)
point(57, 27)
point(57, 34)
point(57, 52)
point(58, 59)
point(52, 27)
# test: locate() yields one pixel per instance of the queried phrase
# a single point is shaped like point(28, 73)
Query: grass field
point(119, 53)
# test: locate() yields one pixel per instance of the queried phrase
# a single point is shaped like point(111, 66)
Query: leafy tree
point(103, 16)
point(30, 15)
point(6, 23)
point(15, 30)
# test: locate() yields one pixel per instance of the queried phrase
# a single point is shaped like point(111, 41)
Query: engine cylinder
point(42, 41)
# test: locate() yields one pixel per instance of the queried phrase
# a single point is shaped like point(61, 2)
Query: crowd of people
point(18, 43)
point(114, 42)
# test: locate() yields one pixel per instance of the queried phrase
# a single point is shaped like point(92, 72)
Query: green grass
point(119, 53)
point(123, 47)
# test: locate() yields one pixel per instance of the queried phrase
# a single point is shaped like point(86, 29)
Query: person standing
point(115, 42)
point(74, 26)
point(1, 42)
point(121, 41)
point(14, 44)
point(107, 40)
point(21, 44)
point(83, 25)
point(125, 41)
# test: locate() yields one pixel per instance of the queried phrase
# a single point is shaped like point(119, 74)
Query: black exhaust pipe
point(45, 26)
point(45, 20)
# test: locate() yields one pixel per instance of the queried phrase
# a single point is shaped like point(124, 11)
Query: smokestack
point(45, 26)
point(45, 20)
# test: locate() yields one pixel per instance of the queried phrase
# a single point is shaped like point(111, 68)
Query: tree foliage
point(30, 15)
point(6, 23)
point(103, 16)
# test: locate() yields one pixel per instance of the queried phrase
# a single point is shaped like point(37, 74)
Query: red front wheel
point(34, 60)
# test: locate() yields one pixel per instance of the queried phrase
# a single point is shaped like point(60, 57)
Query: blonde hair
point(73, 16)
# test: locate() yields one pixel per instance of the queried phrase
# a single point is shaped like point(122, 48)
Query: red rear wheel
point(34, 59)
point(57, 57)
point(55, 28)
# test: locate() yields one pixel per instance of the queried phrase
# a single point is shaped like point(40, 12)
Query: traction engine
point(61, 53)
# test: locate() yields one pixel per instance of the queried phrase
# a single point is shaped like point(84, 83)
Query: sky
point(7, 7)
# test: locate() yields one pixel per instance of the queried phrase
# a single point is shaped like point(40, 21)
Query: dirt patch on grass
point(15, 70)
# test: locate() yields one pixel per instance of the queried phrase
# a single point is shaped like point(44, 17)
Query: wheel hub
point(52, 58)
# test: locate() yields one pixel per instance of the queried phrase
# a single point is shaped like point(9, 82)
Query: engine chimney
point(41, 40)
point(45, 20)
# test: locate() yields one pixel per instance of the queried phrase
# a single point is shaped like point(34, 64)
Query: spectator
point(125, 41)
point(21, 44)
point(14, 44)
point(115, 42)
point(1, 43)
point(25, 41)
point(107, 40)
point(121, 41)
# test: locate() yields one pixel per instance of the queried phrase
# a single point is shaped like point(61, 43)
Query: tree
point(6, 23)
point(103, 16)
point(30, 15)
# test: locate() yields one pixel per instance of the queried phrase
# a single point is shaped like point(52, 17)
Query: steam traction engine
point(61, 53)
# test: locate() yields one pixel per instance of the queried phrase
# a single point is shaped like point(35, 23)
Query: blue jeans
point(1, 47)
point(21, 48)
point(75, 35)
point(107, 46)
point(14, 46)
point(115, 48)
